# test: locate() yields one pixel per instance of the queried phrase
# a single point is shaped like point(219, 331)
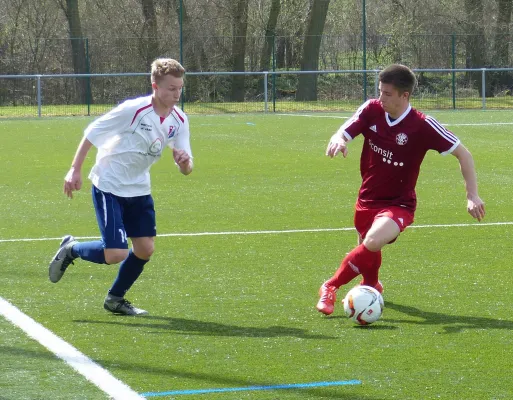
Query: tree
point(502, 38)
point(270, 35)
point(475, 41)
point(149, 39)
point(78, 54)
point(194, 55)
point(239, 29)
point(307, 84)
point(500, 81)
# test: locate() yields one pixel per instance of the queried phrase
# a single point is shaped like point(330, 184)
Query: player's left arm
point(475, 206)
point(182, 153)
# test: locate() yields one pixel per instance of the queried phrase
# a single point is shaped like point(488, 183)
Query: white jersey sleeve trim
point(451, 149)
point(447, 135)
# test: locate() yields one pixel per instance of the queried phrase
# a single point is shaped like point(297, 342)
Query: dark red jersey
point(393, 152)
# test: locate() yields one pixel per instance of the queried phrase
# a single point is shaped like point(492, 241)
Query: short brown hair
point(166, 66)
point(400, 76)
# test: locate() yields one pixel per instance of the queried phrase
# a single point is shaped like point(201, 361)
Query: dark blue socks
point(89, 251)
point(129, 271)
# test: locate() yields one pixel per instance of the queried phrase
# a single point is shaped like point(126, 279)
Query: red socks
point(359, 261)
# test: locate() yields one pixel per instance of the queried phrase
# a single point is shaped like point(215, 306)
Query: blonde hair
point(166, 66)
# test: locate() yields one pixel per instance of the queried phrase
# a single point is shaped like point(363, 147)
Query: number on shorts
point(123, 235)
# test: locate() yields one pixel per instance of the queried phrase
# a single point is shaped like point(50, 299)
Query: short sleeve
point(103, 129)
point(440, 138)
point(357, 123)
point(182, 141)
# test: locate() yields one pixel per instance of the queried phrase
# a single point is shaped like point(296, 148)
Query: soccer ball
point(363, 304)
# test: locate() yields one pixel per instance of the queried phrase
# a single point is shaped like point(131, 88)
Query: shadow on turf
point(453, 323)
point(213, 379)
point(207, 328)
point(375, 327)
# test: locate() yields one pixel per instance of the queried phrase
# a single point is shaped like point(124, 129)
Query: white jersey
point(130, 138)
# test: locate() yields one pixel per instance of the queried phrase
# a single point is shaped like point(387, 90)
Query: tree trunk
point(270, 35)
point(500, 81)
point(149, 45)
point(307, 84)
point(475, 42)
point(502, 38)
point(194, 56)
point(240, 27)
point(78, 53)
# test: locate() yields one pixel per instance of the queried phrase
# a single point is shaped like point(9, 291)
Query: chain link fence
point(211, 92)
point(105, 60)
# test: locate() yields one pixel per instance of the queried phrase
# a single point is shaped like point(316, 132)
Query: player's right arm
point(337, 144)
point(347, 132)
point(98, 133)
point(73, 179)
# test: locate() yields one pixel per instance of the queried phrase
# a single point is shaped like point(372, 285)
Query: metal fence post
point(364, 59)
point(483, 86)
point(89, 95)
point(273, 79)
point(376, 84)
point(38, 84)
point(266, 74)
point(453, 73)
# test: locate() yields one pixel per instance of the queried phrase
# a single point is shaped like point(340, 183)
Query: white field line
point(313, 116)
point(274, 232)
point(85, 366)
point(481, 124)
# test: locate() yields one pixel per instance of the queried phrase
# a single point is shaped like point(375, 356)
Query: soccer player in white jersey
point(130, 139)
point(396, 139)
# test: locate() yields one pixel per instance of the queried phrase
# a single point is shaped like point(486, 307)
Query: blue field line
point(252, 388)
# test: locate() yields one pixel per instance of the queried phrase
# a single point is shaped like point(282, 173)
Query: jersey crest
point(172, 132)
point(401, 139)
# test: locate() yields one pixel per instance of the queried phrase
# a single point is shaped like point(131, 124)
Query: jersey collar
point(403, 116)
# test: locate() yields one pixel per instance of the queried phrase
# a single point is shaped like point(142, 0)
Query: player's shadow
point(206, 328)
point(451, 323)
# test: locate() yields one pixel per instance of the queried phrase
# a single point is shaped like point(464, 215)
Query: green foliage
point(236, 310)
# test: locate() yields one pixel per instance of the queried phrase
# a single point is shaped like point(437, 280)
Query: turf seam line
point(253, 388)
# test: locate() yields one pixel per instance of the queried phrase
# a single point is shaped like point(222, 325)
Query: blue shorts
point(122, 217)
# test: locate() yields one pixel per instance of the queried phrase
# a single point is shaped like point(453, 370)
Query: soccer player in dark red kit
point(396, 139)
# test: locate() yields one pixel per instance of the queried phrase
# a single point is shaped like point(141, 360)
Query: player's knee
point(145, 252)
point(373, 243)
point(115, 256)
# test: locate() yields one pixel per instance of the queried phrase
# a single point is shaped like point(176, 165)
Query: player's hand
point(475, 207)
point(336, 145)
point(182, 159)
point(72, 182)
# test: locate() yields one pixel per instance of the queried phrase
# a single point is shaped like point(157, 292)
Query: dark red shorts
point(364, 217)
